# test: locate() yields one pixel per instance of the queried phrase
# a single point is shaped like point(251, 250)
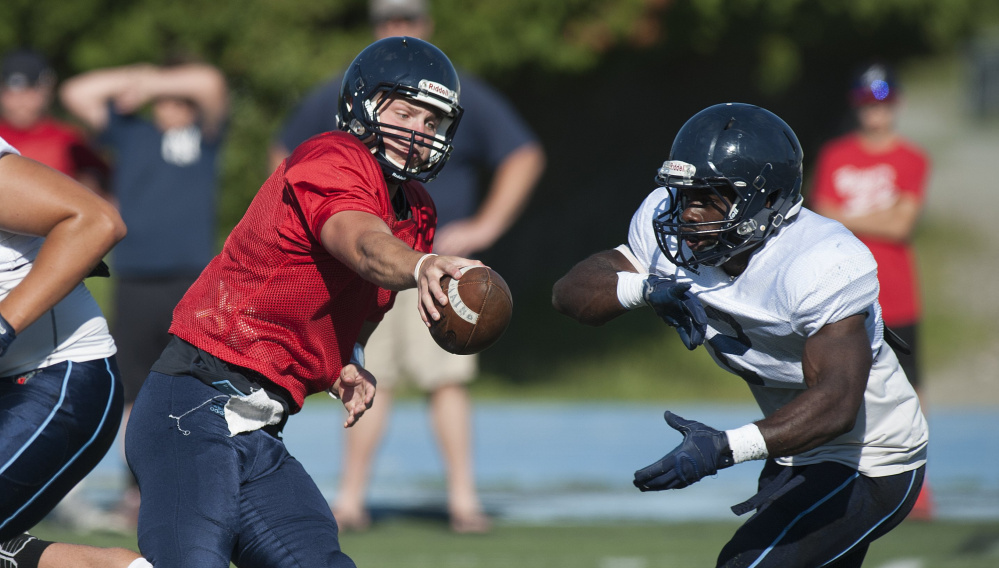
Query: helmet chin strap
point(795, 208)
point(394, 161)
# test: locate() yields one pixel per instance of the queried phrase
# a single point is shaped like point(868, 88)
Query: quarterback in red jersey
point(283, 312)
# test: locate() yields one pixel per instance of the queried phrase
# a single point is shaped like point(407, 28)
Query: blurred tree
point(605, 83)
point(274, 50)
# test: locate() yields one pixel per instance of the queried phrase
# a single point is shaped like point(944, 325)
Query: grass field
point(407, 543)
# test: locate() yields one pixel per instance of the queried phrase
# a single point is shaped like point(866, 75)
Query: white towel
point(252, 412)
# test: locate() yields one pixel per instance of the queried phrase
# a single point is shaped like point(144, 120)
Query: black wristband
point(7, 335)
point(25, 549)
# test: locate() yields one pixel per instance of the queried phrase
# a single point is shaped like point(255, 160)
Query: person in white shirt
point(60, 393)
point(786, 300)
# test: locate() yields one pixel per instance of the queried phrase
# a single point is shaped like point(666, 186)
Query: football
point(477, 313)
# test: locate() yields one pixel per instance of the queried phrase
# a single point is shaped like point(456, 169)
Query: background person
point(60, 394)
point(786, 300)
point(27, 83)
point(165, 185)
point(494, 139)
point(873, 180)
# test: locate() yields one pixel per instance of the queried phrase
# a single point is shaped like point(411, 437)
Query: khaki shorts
point(401, 349)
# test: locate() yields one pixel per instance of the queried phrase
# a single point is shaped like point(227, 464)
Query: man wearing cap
point(873, 181)
point(26, 85)
point(493, 138)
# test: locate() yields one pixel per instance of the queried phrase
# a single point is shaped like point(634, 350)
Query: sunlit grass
point(422, 543)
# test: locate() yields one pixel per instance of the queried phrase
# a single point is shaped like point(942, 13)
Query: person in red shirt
point(26, 89)
point(873, 180)
point(283, 312)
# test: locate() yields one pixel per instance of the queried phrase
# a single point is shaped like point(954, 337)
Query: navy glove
point(703, 452)
point(6, 335)
point(674, 304)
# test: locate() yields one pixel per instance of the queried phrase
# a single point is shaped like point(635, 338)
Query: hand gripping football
point(477, 313)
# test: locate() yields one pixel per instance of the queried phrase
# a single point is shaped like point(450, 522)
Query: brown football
point(477, 313)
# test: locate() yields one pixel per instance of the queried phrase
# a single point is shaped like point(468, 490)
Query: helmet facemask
point(748, 218)
point(377, 131)
point(743, 153)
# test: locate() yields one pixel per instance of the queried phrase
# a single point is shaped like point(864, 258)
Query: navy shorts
point(208, 498)
point(144, 310)
point(825, 514)
point(56, 424)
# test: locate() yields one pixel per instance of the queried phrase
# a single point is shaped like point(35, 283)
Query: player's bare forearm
point(837, 363)
point(79, 229)
point(588, 292)
point(511, 189)
point(364, 242)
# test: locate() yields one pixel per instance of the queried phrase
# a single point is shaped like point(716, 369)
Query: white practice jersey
point(74, 330)
point(811, 273)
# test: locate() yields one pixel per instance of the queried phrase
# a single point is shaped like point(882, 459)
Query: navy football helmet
point(412, 68)
point(735, 150)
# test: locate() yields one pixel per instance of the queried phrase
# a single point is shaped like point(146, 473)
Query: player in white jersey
point(786, 300)
point(60, 394)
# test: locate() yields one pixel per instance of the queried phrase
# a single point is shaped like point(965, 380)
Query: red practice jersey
point(274, 300)
point(856, 181)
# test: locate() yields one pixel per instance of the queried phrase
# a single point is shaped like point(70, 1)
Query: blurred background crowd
point(600, 85)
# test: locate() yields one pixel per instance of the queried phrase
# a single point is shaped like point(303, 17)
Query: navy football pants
point(56, 424)
point(825, 514)
point(208, 498)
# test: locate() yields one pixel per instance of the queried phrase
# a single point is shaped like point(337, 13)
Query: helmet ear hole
point(772, 197)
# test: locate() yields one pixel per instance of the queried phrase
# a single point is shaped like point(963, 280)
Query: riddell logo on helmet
point(678, 168)
point(437, 89)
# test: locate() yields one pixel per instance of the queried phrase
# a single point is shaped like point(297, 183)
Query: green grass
point(408, 543)
point(955, 323)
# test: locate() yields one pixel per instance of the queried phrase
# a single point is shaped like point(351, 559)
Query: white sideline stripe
point(623, 562)
point(904, 563)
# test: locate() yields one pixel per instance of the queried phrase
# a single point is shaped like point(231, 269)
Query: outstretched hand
point(703, 452)
point(678, 308)
point(356, 388)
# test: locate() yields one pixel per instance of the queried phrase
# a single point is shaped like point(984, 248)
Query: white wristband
point(747, 443)
point(631, 289)
point(419, 263)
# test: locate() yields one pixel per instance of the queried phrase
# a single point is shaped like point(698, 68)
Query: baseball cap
point(872, 84)
point(381, 10)
point(25, 68)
